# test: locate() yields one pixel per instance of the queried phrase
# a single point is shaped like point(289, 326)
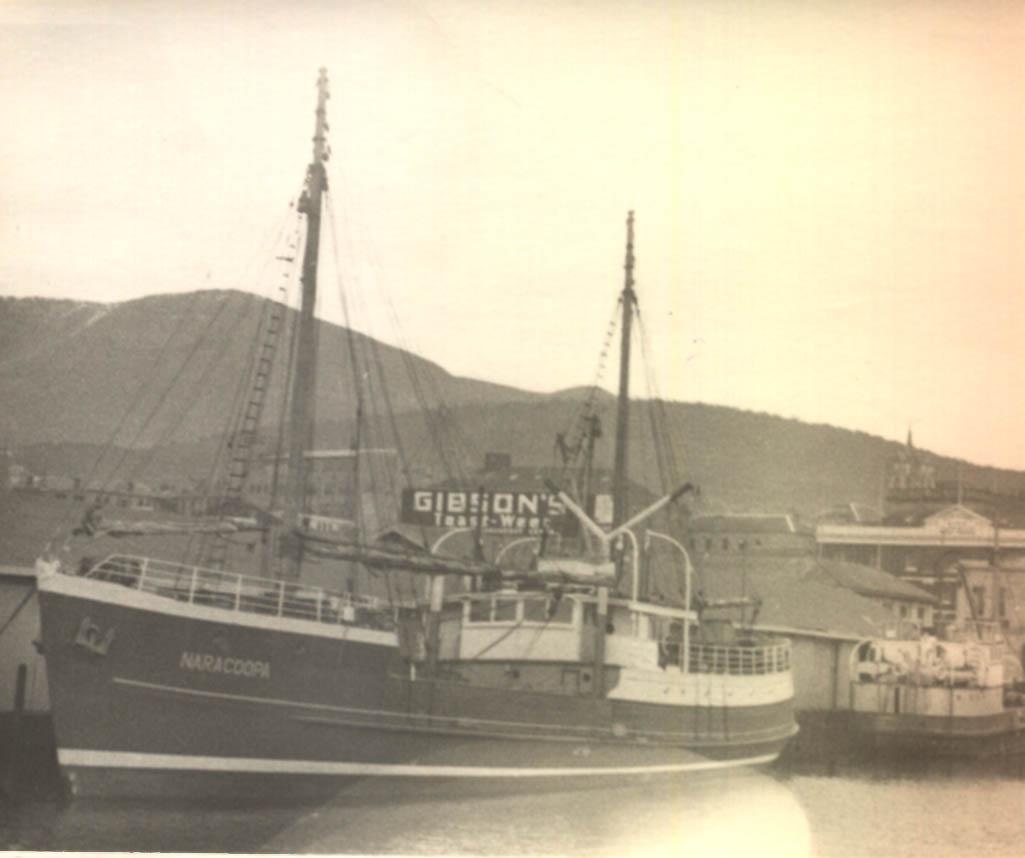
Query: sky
point(829, 196)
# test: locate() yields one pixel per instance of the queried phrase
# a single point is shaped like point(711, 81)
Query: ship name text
point(207, 663)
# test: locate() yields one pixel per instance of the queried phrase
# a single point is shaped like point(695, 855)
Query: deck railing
point(739, 660)
point(230, 591)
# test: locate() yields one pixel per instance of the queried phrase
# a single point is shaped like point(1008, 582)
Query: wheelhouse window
point(548, 611)
point(563, 612)
point(480, 611)
point(505, 610)
point(534, 611)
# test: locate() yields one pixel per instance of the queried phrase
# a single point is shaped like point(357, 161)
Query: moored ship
point(176, 677)
point(934, 697)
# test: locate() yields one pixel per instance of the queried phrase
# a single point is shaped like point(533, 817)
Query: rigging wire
point(370, 349)
point(376, 366)
point(199, 342)
point(665, 462)
point(362, 383)
point(355, 368)
point(578, 424)
point(136, 398)
point(292, 339)
point(184, 413)
point(181, 415)
point(146, 460)
point(422, 381)
point(665, 453)
point(375, 394)
point(232, 433)
point(662, 425)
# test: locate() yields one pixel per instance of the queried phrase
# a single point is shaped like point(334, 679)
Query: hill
point(69, 371)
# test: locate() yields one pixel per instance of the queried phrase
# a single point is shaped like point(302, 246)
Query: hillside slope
point(69, 371)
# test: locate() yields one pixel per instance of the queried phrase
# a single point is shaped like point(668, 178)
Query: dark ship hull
point(910, 735)
point(153, 695)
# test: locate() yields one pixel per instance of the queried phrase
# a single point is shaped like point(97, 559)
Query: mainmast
point(304, 378)
point(628, 300)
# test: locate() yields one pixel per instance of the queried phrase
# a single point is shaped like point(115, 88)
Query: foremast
point(628, 301)
point(303, 385)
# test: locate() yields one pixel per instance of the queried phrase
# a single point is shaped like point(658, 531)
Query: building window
point(1002, 603)
point(725, 543)
point(708, 543)
point(903, 612)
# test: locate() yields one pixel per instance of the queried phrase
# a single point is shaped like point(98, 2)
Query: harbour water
point(941, 811)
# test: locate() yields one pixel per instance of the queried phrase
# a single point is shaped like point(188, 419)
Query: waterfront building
point(912, 608)
point(334, 479)
point(19, 632)
point(991, 601)
point(28, 759)
point(749, 533)
point(926, 554)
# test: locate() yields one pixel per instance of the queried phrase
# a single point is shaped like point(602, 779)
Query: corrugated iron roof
point(873, 582)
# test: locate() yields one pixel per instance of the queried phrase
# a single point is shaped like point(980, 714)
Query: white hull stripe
point(254, 765)
point(92, 590)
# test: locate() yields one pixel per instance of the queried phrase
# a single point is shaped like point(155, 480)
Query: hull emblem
point(91, 638)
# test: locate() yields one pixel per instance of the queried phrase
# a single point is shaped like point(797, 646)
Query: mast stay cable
point(135, 400)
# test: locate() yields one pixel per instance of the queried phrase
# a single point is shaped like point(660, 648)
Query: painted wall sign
point(502, 511)
point(958, 521)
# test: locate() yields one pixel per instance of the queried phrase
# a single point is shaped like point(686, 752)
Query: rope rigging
point(666, 459)
point(375, 417)
point(202, 340)
point(189, 364)
point(370, 396)
point(136, 398)
point(446, 440)
point(581, 424)
point(233, 462)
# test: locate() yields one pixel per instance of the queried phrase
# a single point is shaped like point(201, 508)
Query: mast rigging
point(302, 413)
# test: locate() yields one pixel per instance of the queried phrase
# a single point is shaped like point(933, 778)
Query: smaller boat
point(942, 697)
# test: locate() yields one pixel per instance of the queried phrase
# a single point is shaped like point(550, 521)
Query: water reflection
point(122, 826)
point(838, 809)
point(910, 807)
point(714, 815)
